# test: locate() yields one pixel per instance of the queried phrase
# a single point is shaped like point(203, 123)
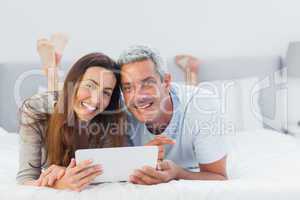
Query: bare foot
point(59, 40)
point(46, 52)
point(187, 63)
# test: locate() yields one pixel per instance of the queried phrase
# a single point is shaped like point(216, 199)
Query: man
point(184, 113)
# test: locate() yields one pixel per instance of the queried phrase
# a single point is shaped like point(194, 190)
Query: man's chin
point(145, 118)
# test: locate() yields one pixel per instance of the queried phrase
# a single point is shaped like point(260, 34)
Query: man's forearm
point(188, 175)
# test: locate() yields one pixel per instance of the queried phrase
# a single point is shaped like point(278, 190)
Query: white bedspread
point(262, 165)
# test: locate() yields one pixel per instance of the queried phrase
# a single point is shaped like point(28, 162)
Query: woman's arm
point(33, 117)
point(30, 153)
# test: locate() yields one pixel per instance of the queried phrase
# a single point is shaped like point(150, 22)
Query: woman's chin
point(86, 117)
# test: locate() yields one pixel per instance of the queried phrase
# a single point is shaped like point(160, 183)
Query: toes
point(187, 62)
point(181, 61)
point(60, 41)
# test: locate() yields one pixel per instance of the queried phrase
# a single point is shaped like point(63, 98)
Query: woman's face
point(94, 92)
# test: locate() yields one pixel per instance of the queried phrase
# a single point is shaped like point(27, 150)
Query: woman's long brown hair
point(62, 126)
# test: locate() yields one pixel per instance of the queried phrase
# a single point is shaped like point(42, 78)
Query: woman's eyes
point(90, 86)
point(107, 93)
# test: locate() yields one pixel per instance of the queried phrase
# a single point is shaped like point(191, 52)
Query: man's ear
point(167, 80)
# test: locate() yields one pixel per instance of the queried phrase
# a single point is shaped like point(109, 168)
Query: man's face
point(144, 91)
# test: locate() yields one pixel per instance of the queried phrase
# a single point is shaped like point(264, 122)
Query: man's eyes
point(126, 88)
point(149, 83)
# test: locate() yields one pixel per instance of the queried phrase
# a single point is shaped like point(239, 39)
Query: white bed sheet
point(263, 164)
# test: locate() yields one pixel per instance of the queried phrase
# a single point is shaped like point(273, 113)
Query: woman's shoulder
point(37, 105)
point(41, 103)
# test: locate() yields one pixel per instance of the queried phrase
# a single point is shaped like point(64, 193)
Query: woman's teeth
point(89, 107)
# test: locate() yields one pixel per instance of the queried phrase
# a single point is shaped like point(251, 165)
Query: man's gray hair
point(138, 53)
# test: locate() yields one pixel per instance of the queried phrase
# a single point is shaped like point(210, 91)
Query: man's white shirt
point(195, 126)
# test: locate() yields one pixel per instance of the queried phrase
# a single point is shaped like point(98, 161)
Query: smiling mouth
point(144, 106)
point(88, 107)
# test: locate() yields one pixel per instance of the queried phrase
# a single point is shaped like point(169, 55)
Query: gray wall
point(217, 69)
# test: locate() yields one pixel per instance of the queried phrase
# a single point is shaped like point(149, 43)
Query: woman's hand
point(77, 177)
point(36, 183)
point(51, 175)
point(160, 141)
point(48, 177)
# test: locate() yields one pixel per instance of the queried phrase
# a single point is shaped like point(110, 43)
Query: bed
point(263, 164)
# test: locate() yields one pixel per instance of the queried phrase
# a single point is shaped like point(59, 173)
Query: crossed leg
point(50, 52)
point(190, 65)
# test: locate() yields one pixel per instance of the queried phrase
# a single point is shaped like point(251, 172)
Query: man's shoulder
point(193, 96)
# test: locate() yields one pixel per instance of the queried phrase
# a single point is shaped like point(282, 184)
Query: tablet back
point(119, 163)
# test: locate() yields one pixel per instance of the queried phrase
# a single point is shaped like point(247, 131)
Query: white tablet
point(119, 163)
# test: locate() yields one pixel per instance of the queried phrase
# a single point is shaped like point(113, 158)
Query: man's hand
point(160, 141)
point(150, 176)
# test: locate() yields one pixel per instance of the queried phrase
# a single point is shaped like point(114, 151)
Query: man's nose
point(139, 93)
point(141, 98)
point(139, 90)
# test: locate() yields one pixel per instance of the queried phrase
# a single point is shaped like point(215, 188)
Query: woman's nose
point(96, 98)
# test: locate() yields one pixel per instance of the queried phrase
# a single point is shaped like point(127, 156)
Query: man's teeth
point(145, 106)
point(89, 107)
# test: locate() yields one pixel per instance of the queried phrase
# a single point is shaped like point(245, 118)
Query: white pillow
point(293, 110)
point(239, 108)
point(2, 131)
point(273, 91)
point(249, 102)
point(227, 95)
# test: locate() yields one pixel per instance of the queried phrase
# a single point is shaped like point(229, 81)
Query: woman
point(83, 115)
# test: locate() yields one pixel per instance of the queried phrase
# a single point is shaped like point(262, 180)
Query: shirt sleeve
point(29, 155)
point(30, 144)
point(29, 149)
point(209, 148)
point(209, 142)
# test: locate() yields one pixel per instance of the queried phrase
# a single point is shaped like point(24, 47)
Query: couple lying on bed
point(129, 103)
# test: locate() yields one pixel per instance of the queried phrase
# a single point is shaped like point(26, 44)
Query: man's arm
point(211, 171)
point(170, 171)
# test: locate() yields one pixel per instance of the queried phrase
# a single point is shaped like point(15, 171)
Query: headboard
point(18, 81)
point(21, 80)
